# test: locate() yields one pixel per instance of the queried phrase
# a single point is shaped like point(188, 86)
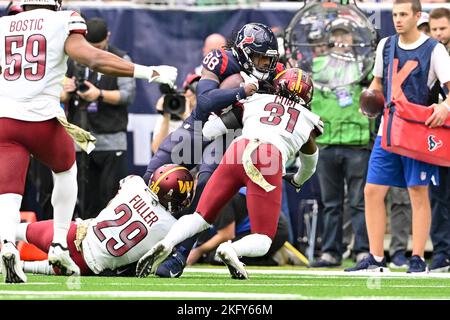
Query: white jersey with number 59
point(131, 224)
point(279, 121)
point(33, 62)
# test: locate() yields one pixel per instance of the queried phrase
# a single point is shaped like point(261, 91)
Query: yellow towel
point(83, 138)
point(250, 169)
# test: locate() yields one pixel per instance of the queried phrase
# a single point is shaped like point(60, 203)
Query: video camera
point(174, 100)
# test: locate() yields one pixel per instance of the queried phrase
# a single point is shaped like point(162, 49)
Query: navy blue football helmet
point(253, 40)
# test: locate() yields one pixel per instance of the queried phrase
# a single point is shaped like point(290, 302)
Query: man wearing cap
point(99, 103)
point(423, 24)
point(344, 146)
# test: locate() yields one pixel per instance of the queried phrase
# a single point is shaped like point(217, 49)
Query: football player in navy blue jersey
point(254, 54)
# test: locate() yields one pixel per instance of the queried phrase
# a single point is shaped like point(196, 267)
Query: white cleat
point(10, 264)
point(59, 257)
point(228, 256)
point(152, 259)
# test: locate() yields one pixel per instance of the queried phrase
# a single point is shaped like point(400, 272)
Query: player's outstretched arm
point(104, 62)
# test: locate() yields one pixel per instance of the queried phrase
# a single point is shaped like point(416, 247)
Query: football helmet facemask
point(173, 185)
point(294, 84)
point(256, 49)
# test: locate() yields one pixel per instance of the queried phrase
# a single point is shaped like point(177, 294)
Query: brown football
point(371, 102)
point(231, 82)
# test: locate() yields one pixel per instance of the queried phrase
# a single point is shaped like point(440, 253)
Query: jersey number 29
point(136, 229)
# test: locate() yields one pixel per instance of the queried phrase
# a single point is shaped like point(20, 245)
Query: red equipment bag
point(405, 133)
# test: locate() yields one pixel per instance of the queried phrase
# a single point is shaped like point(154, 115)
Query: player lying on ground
point(276, 126)
point(134, 220)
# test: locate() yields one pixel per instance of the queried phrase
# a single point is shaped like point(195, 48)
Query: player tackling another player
point(276, 127)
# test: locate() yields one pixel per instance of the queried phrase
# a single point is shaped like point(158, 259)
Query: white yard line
point(147, 294)
point(324, 273)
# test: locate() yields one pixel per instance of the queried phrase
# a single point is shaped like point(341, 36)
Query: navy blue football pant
point(183, 147)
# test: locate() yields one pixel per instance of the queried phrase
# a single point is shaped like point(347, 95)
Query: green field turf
point(281, 283)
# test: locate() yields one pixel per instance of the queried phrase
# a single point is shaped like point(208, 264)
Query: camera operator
point(99, 103)
point(174, 107)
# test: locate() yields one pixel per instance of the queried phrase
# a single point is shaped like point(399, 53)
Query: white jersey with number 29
point(279, 121)
point(33, 62)
point(132, 223)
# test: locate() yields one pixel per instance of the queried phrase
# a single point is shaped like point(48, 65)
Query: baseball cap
point(424, 18)
point(97, 30)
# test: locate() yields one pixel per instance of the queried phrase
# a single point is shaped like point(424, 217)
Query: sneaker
point(150, 262)
point(326, 260)
point(369, 264)
point(399, 261)
point(11, 266)
point(228, 256)
point(361, 256)
point(59, 258)
point(440, 263)
point(417, 265)
point(174, 265)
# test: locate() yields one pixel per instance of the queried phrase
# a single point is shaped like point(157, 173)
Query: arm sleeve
point(127, 88)
point(212, 99)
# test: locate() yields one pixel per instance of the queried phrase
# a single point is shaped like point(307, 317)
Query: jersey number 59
point(35, 54)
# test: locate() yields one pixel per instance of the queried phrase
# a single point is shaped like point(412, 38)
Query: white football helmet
point(56, 3)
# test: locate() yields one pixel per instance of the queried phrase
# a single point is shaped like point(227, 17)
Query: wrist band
point(142, 72)
point(446, 105)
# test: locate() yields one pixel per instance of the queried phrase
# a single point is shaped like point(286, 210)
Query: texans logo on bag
point(433, 144)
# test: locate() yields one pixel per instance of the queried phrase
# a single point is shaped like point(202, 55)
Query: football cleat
point(10, 264)
point(150, 262)
point(174, 265)
point(59, 258)
point(228, 256)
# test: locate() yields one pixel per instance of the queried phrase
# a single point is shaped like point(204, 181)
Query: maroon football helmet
point(173, 184)
point(294, 83)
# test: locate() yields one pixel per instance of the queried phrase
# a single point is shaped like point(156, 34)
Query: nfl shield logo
point(423, 175)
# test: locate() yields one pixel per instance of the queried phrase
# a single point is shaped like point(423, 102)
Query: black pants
point(99, 174)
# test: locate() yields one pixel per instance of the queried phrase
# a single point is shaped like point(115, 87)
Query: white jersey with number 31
point(279, 121)
point(131, 224)
point(33, 62)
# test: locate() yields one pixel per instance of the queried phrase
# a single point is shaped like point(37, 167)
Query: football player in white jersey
point(133, 222)
point(276, 127)
point(34, 46)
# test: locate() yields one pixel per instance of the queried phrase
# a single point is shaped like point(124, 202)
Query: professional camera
point(174, 100)
point(80, 74)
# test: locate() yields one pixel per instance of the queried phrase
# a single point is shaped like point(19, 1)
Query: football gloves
point(167, 75)
point(289, 177)
point(250, 79)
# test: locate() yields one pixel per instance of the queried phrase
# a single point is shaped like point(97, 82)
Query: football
point(371, 102)
point(231, 82)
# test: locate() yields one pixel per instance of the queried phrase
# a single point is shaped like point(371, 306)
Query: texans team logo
point(247, 40)
point(434, 144)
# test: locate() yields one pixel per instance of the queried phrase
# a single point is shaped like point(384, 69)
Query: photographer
point(99, 103)
point(174, 107)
